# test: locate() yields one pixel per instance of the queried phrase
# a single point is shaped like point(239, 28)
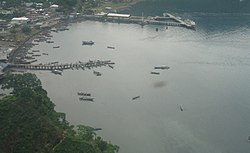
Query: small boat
point(35, 51)
point(86, 99)
point(36, 55)
point(56, 47)
point(97, 73)
point(134, 98)
point(54, 63)
point(83, 94)
point(110, 66)
point(57, 72)
point(249, 138)
point(162, 67)
point(181, 108)
point(88, 43)
point(45, 53)
point(97, 129)
point(110, 47)
point(49, 41)
point(157, 73)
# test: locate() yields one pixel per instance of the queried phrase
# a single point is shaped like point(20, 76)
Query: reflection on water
point(208, 75)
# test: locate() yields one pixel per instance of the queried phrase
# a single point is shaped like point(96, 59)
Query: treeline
point(225, 6)
point(29, 123)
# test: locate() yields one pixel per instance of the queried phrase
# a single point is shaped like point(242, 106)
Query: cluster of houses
point(35, 14)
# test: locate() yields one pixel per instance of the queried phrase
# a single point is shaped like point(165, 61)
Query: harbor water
point(208, 79)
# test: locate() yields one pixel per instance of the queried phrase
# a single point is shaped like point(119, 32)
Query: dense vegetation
point(29, 123)
point(216, 6)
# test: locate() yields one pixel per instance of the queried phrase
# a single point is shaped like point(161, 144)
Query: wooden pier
point(78, 65)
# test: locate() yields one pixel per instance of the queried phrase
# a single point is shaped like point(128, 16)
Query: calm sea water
point(208, 76)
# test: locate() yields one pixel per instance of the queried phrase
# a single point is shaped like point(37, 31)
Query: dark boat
point(97, 129)
point(56, 47)
point(162, 67)
point(97, 73)
point(45, 53)
point(110, 47)
point(49, 41)
point(110, 66)
point(181, 108)
point(88, 43)
point(84, 94)
point(86, 99)
point(134, 98)
point(54, 63)
point(157, 73)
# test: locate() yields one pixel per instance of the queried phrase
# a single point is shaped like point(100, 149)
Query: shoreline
point(20, 45)
point(18, 49)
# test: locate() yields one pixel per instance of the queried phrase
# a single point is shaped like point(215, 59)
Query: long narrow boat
point(88, 43)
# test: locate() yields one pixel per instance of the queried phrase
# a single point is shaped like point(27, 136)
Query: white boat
point(57, 72)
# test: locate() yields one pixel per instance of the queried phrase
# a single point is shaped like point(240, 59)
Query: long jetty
point(167, 19)
point(78, 65)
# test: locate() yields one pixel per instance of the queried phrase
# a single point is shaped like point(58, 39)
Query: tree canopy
point(29, 123)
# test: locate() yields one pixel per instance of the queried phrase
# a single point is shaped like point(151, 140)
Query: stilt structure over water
point(88, 65)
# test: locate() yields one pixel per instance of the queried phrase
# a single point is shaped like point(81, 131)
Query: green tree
point(26, 29)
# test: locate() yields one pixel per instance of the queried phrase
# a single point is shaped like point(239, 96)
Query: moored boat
point(86, 99)
point(162, 67)
point(57, 72)
point(157, 73)
point(88, 43)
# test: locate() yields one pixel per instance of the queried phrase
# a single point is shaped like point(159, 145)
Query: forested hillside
point(221, 6)
point(29, 123)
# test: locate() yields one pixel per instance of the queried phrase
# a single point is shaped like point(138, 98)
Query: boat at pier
point(57, 72)
point(35, 50)
point(111, 66)
point(83, 94)
point(88, 43)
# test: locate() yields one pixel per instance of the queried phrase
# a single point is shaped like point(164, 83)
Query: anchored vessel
point(134, 98)
point(86, 99)
point(162, 67)
point(157, 73)
point(84, 94)
point(88, 43)
point(111, 47)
